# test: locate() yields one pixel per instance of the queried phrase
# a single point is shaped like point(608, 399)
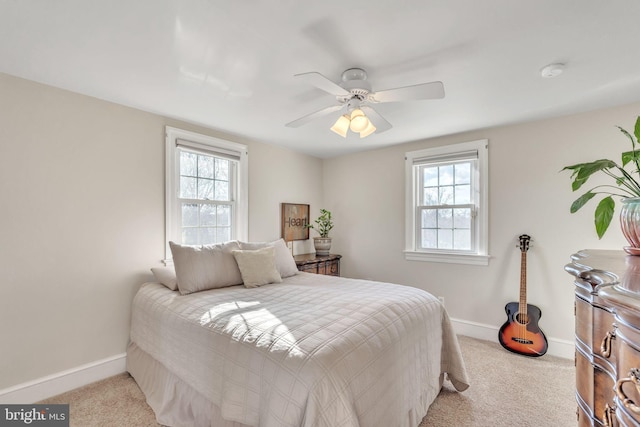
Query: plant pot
point(630, 224)
point(323, 244)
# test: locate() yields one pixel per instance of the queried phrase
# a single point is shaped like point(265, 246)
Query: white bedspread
point(314, 350)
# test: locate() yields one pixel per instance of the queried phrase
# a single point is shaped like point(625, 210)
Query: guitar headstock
point(524, 242)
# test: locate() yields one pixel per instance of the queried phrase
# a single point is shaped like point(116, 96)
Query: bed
point(304, 350)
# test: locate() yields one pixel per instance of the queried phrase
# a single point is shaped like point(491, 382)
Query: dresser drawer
point(584, 381)
point(628, 360)
point(312, 263)
point(604, 338)
point(584, 322)
point(594, 389)
point(309, 268)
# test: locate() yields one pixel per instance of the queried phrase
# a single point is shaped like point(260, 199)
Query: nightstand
point(319, 264)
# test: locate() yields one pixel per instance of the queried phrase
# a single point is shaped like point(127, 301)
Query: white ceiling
point(229, 65)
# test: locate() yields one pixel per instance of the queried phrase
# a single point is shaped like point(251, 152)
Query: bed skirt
point(174, 402)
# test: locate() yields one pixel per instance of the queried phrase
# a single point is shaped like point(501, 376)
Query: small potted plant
point(627, 187)
point(324, 224)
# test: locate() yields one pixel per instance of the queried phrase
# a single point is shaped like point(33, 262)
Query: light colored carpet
point(506, 390)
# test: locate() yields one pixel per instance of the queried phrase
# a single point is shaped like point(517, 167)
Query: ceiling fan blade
point(433, 90)
point(378, 121)
point(309, 117)
point(321, 82)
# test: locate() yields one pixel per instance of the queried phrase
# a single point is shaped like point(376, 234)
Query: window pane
point(189, 236)
point(462, 194)
point(446, 195)
point(205, 166)
point(446, 175)
point(207, 236)
point(222, 169)
point(223, 234)
point(224, 215)
point(445, 239)
point(429, 218)
point(462, 218)
point(222, 190)
point(207, 215)
point(429, 239)
point(430, 176)
point(189, 215)
point(188, 188)
point(462, 240)
point(188, 164)
point(445, 218)
point(205, 189)
point(430, 195)
point(463, 173)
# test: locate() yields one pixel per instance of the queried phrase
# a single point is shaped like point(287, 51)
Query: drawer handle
point(634, 377)
point(607, 419)
point(605, 347)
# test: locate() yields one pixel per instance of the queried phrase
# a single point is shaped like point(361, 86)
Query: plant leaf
point(580, 201)
point(589, 169)
point(604, 214)
point(636, 130)
point(630, 156)
point(582, 171)
point(624, 131)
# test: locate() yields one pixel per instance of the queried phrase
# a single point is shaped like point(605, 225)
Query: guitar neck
point(523, 282)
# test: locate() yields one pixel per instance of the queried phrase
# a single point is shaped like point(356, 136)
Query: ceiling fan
point(355, 97)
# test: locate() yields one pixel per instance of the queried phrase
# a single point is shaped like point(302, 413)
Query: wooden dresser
point(607, 309)
point(325, 264)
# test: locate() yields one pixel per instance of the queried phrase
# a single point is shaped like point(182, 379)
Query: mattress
point(314, 350)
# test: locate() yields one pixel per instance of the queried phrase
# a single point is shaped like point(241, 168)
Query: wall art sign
point(295, 218)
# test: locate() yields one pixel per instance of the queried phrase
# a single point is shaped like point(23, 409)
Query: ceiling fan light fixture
point(368, 130)
point(356, 112)
point(341, 126)
point(359, 121)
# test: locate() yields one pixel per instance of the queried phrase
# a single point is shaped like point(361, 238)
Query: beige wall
point(528, 194)
point(82, 220)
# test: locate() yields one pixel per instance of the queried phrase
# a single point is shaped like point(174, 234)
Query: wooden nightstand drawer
point(312, 263)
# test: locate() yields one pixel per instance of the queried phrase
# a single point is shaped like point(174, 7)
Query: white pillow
point(257, 267)
point(166, 276)
point(199, 268)
point(285, 263)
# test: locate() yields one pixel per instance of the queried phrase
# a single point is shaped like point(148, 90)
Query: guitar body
point(521, 333)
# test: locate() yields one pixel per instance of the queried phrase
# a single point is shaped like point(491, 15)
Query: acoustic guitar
point(521, 333)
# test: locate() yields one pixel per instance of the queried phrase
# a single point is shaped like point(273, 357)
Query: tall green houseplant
point(626, 178)
point(324, 224)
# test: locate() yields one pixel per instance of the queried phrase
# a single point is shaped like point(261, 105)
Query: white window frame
point(214, 146)
point(479, 254)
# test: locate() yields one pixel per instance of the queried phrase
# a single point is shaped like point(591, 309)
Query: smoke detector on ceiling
point(552, 70)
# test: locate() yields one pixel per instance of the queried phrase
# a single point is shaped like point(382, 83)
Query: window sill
point(451, 258)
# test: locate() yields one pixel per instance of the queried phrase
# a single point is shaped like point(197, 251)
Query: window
point(206, 189)
point(446, 203)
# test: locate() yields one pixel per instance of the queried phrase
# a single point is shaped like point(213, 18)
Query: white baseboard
point(557, 347)
point(61, 382)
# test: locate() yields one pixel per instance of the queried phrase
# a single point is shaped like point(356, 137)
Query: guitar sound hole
point(523, 319)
